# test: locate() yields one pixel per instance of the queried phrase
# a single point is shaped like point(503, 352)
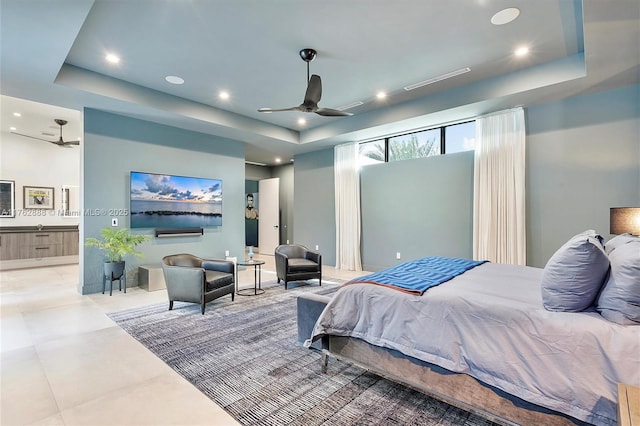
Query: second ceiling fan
point(60, 142)
point(313, 94)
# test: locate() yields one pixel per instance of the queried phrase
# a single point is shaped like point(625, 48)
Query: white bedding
point(490, 323)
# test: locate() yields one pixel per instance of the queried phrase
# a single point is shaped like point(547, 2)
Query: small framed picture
point(38, 197)
point(7, 198)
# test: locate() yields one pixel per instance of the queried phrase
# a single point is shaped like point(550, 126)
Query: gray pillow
point(619, 240)
point(574, 275)
point(619, 300)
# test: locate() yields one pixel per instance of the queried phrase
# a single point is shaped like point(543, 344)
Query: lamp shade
point(624, 220)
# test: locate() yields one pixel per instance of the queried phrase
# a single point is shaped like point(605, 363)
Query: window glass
point(460, 137)
point(415, 145)
point(371, 152)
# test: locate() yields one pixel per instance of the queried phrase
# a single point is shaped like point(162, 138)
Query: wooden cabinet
point(29, 243)
point(9, 246)
point(41, 244)
point(71, 243)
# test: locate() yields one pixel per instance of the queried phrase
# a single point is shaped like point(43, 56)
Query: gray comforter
point(490, 323)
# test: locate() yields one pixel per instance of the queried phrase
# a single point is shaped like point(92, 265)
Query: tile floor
point(64, 362)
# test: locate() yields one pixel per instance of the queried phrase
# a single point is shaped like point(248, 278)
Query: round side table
point(257, 278)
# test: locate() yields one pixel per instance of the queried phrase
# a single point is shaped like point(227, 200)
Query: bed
point(482, 341)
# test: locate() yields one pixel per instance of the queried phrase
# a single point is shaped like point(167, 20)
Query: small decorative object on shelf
point(250, 252)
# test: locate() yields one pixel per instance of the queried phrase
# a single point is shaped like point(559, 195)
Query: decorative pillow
point(619, 240)
point(575, 274)
point(619, 300)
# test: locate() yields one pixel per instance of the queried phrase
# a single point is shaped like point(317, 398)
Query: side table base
point(250, 292)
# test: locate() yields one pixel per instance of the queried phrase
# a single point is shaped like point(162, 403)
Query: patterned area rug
point(244, 355)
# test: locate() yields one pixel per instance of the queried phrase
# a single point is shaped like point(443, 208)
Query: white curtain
point(347, 194)
point(499, 233)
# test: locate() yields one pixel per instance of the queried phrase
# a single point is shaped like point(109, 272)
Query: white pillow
point(574, 275)
point(619, 240)
point(619, 300)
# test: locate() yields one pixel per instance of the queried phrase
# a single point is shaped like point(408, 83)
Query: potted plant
point(116, 244)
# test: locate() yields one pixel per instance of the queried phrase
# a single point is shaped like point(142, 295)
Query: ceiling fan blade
point(314, 90)
point(33, 137)
point(278, 110)
point(328, 112)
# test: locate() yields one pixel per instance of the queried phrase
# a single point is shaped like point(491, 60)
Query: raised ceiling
point(54, 53)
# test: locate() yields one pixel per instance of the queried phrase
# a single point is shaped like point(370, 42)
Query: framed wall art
point(38, 197)
point(7, 198)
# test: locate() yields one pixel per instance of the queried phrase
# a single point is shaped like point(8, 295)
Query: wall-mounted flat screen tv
point(166, 201)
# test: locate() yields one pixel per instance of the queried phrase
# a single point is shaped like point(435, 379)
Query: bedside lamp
point(624, 220)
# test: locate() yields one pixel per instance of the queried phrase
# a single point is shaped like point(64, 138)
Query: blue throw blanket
point(417, 276)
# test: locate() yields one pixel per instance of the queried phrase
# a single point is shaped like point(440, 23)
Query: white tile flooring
point(64, 362)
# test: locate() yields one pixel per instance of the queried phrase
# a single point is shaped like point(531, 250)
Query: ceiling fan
point(313, 94)
point(60, 141)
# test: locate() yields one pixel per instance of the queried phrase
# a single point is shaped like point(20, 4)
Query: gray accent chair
point(190, 278)
point(295, 262)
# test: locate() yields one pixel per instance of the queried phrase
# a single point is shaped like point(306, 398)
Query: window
point(414, 145)
point(425, 143)
point(460, 137)
point(372, 152)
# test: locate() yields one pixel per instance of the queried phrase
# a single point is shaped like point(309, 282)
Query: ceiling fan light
point(438, 78)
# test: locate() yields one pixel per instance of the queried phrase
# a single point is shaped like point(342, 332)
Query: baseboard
point(36, 263)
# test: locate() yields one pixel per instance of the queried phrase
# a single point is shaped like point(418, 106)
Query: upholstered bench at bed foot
point(310, 306)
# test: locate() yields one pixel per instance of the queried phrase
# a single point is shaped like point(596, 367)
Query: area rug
point(244, 356)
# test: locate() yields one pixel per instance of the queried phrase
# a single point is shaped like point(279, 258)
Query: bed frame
point(457, 389)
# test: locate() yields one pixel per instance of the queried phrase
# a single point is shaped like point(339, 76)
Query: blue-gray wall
point(583, 156)
point(115, 145)
point(314, 203)
point(420, 207)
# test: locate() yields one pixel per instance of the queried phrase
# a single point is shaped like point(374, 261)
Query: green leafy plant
point(116, 244)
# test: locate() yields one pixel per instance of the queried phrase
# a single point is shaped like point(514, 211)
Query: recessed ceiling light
point(521, 51)
point(302, 121)
point(278, 160)
point(114, 59)
point(13, 129)
point(173, 79)
point(224, 95)
point(505, 16)
point(17, 114)
point(381, 95)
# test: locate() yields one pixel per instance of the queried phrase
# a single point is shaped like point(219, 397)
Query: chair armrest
point(183, 282)
point(314, 255)
point(218, 265)
point(282, 262)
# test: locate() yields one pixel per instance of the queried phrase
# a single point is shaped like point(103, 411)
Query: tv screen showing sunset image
point(167, 201)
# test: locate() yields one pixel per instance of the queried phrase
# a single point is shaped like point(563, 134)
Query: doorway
point(269, 224)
